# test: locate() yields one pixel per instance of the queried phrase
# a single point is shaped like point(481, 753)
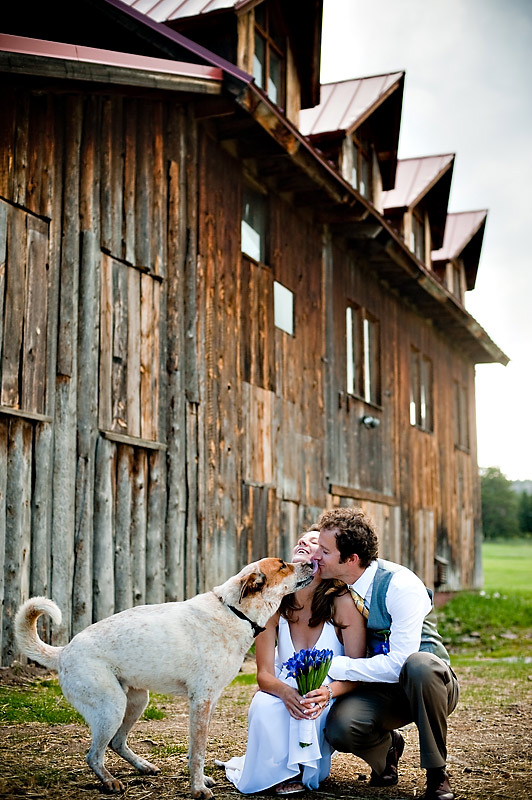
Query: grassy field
point(495, 623)
point(507, 565)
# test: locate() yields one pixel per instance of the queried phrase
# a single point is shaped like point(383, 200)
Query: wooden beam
point(104, 73)
point(133, 441)
point(363, 494)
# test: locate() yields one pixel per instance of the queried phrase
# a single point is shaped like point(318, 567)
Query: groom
point(406, 676)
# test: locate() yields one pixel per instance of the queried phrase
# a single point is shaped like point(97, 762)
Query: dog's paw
point(113, 785)
point(147, 769)
point(202, 794)
point(210, 782)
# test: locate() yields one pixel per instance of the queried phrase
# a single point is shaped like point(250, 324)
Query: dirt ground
point(489, 754)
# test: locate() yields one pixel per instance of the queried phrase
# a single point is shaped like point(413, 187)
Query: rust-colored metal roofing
point(464, 235)
point(414, 178)
point(459, 231)
point(112, 58)
point(346, 104)
point(167, 10)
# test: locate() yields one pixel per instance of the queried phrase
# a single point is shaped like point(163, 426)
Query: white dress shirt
point(408, 603)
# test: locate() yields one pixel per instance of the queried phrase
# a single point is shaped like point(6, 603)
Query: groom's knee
point(345, 731)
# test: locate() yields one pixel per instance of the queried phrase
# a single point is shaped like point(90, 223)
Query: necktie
point(359, 602)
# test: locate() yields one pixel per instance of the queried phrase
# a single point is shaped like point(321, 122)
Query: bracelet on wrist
point(328, 687)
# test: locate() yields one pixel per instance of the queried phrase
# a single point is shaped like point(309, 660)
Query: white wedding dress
point(273, 752)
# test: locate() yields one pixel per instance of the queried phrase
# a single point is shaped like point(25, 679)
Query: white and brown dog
point(193, 648)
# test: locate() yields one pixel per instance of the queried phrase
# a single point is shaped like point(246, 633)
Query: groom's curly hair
point(355, 533)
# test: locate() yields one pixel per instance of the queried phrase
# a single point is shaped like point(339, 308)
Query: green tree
point(525, 512)
point(499, 505)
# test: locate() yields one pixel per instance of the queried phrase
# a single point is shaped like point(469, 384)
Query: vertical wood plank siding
point(85, 189)
point(157, 431)
point(429, 486)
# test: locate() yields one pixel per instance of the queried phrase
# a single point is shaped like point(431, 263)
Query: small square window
point(283, 305)
point(253, 229)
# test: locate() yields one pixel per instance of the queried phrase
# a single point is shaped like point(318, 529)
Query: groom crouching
point(406, 676)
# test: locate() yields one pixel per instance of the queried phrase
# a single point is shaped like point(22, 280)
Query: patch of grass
point(156, 706)
point(507, 565)
point(245, 679)
point(167, 750)
point(43, 701)
point(496, 684)
point(494, 624)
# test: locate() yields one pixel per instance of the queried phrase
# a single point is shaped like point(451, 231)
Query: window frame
point(273, 39)
point(462, 439)
point(363, 355)
point(421, 391)
point(362, 166)
point(418, 238)
point(280, 294)
point(261, 211)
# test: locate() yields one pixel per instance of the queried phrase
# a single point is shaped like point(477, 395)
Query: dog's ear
point(252, 583)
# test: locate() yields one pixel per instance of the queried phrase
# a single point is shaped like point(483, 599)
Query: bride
point(323, 616)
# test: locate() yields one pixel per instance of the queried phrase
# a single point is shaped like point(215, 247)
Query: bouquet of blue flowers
point(309, 669)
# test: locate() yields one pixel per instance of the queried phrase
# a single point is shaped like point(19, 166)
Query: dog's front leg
point(200, 713)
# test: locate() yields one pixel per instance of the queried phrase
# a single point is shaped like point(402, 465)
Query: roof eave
point(375, 105)
point(22, 56)
point(368, 219)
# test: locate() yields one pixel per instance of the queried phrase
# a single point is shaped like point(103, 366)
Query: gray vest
point(379, 620)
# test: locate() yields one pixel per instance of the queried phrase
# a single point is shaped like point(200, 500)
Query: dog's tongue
point(314, 566)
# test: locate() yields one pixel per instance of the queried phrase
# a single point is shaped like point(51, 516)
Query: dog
point(194, 647)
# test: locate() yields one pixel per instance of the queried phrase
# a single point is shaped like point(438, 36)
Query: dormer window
point(269, 58)
point(456, 287)
point(361, 169)
point(417, 236)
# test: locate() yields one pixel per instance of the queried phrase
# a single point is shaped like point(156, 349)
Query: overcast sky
point(468, 69)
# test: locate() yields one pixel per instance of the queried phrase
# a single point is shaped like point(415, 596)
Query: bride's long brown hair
point(322, 607)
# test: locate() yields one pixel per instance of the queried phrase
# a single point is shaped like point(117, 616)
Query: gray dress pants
point(427, 692)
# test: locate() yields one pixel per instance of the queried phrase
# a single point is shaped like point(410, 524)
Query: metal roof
point(414, 178)
point(166, 10)
point(345, 104)
point(459, 230)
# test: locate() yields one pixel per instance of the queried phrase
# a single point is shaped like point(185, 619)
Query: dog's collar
point(256, 628)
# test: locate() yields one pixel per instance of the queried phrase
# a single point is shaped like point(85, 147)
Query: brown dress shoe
point(438, 785)
point(389, 777)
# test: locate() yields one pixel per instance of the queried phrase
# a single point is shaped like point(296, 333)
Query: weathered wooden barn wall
point(157, 430)
point(421, 488)
point(96, 391)
point(263, 412)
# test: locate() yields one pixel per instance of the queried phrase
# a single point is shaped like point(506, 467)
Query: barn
point(226, 305)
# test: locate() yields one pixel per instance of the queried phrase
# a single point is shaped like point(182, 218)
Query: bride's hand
point(293, 702)
point(315, 701)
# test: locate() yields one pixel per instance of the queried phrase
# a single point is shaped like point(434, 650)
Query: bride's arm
point(268, 682)
point(353, 632)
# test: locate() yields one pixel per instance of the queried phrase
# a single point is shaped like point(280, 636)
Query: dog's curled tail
point(27, 638)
